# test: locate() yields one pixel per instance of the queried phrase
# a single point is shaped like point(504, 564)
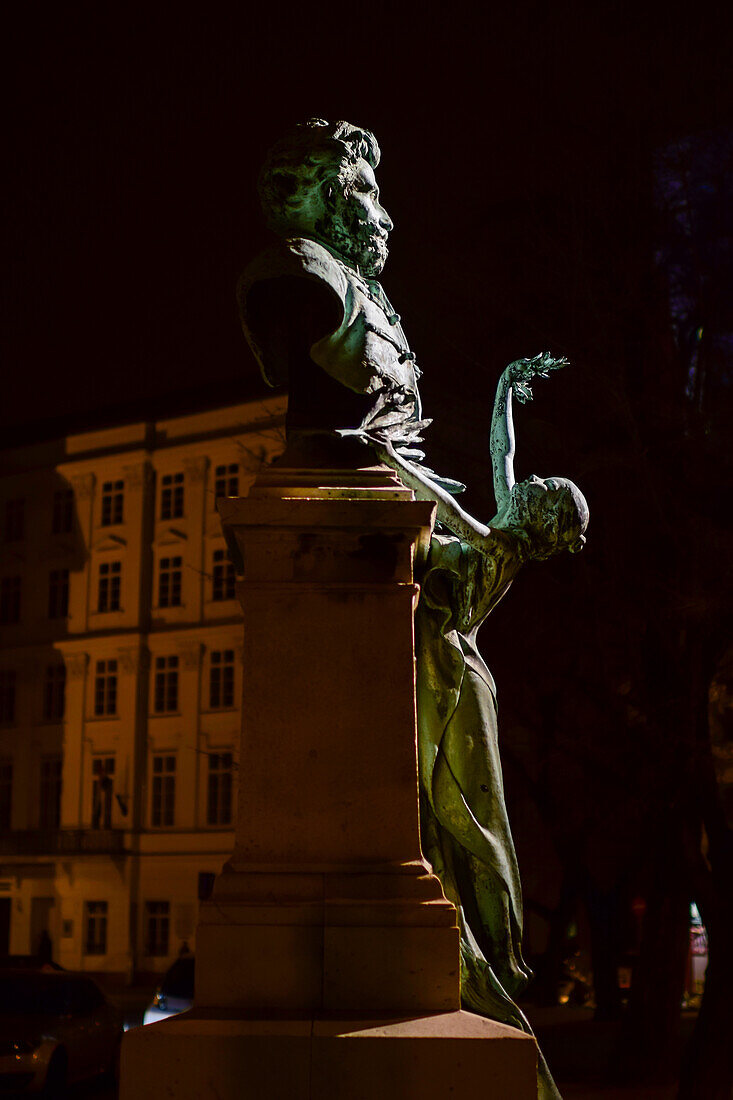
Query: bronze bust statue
point(312, 307)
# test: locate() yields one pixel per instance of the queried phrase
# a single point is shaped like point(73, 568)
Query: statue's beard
point(361, 244)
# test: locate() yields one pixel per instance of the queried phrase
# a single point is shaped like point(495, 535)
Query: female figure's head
point(547, 516)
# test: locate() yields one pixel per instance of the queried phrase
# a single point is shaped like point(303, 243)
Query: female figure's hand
point(521, 372)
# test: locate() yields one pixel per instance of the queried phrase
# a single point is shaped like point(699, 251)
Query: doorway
point(43, 912)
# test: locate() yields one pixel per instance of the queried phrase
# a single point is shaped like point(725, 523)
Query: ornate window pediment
point(170, 536)
point(108, 541)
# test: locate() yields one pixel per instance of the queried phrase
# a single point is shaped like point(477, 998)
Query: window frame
point(220, 789)
point(226, 480)
point(170, 581)
point(163, 790)
point(221, 679)
point(109, 586)
point(96, 916)
point(223, 577)
point(105, 688)
point(172, 496)
point(166, 684)
point(103, 790)
point(112, 506)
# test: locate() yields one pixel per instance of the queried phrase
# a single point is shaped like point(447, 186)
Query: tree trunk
point(707, 1070)
point(650, 1041)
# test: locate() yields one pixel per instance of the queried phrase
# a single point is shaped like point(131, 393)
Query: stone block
point(443, 1056)
point(267, 967)
point(409, 969)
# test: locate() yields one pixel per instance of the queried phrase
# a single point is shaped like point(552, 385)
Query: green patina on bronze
point(317, 318)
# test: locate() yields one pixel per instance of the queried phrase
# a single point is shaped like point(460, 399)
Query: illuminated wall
point(120, 682)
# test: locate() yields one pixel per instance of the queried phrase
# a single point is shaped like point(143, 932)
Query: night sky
point(135, 140)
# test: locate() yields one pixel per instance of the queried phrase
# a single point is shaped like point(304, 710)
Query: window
point(10, 600)
point(110, 574)
point(227, 481)
point(63, 511)
point(157, 923)
point(164, 791)
point(7, 695)
point(14, 520)
point(112, 498)
point(95, 928)
point(50, 792)
point(103, 784)
point(221, 678)
point(166, 684)
point(223, 577)
point(54, 690)
point(6, 794)
point(219, 806)
point(169, 582)
point(58, 593)
point(171, 496)
point(105, 688)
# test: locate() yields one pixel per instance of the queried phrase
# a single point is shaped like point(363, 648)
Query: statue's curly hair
point(301, 168)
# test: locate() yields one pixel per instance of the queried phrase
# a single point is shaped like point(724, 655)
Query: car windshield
point(178, 982)
point(34, 994)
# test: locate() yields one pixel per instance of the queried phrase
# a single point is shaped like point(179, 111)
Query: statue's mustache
point(374, 235)
point(373, 232)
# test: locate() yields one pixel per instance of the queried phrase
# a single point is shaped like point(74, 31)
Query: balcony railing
point(37, 842)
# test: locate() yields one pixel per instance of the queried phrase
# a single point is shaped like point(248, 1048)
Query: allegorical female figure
point(464, 826)
point(316, 317)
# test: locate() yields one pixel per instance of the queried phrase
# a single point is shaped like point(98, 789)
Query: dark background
point(135, 139)
point(521, 165)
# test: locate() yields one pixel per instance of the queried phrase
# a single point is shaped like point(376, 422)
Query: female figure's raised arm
point(514, 382)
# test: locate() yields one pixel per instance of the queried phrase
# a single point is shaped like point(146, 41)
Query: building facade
point(120, 684)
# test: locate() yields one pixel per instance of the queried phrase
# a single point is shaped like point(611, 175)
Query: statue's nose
point(385, 221)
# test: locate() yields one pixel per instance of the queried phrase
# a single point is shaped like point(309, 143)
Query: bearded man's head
point(318, 182)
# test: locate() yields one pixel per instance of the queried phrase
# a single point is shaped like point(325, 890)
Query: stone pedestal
point(328, 957)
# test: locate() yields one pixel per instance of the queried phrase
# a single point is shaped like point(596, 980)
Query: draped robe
point(464, 824)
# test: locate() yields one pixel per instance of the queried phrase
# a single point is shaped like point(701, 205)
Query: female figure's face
point(551, 512)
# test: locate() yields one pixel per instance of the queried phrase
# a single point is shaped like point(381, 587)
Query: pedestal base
point(437, 1057)
point(315, 943)
point(328, 957)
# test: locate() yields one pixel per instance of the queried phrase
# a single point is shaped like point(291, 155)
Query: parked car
point(175, 992)
point(55, 1027)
